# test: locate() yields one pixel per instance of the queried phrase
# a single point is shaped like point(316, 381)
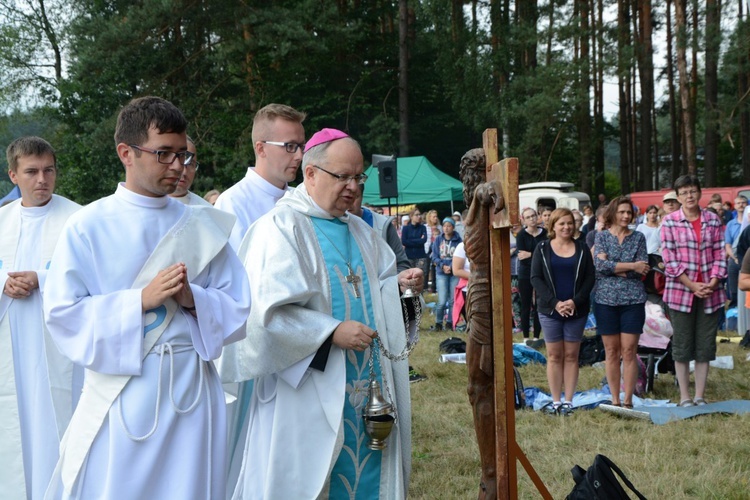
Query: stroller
point(655, 344)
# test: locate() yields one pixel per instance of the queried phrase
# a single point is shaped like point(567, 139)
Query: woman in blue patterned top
point(621, 262)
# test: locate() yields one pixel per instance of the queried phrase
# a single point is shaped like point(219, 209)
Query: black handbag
point(600, 482)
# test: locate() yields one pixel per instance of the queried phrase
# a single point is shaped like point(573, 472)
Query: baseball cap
point(670, 196)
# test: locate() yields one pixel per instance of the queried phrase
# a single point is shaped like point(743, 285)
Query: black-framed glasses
point(289, 147)
point(167, 157)
point(345, 179)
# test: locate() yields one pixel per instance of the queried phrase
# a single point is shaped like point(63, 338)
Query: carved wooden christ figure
point(479, 196)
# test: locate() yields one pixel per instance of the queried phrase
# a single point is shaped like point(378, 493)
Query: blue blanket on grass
point(523, 355)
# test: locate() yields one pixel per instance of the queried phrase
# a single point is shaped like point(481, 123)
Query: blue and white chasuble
point(356, 473)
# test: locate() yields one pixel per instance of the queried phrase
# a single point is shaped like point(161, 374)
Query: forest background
point(404, 77)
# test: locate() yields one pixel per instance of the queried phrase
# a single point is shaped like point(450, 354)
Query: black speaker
point(388, 179)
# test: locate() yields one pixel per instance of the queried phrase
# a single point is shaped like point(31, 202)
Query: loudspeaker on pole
point(388, 177)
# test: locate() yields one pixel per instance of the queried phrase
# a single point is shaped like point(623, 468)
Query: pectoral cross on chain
point(353, 279)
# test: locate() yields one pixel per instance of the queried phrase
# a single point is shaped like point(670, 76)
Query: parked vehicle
point(643, 199)
point(552, 195)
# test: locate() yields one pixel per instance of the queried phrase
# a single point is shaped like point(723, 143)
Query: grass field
point(703, 457)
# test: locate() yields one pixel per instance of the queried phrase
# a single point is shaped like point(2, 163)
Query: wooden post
point(504, 174)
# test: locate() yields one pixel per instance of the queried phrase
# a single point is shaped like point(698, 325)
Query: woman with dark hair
point(526, 240)
point(650, 229)
point(442, 256)
point(414, 237)
point(621, 262)
point(562, 274)
point(693, 250)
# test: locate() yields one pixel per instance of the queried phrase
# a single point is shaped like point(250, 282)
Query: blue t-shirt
point(563, 276)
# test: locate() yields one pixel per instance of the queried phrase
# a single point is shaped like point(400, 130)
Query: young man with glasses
point(182, 193)
point(278, 139)
point(693, 250)
point(144, 292)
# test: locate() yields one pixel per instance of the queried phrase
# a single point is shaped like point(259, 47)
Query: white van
point(552, 195)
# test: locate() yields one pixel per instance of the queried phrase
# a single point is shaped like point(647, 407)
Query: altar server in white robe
point(278, 140)
point(37, 388)
point(144, 292)
point(324, 286)
point(182, 193)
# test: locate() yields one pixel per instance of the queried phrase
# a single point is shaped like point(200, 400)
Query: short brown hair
point(28, 146)
point(143, 113)
point(271, 112)
point(612, 209)
point(556, 215)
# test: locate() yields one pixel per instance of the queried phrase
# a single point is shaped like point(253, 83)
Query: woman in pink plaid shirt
point(693, 251)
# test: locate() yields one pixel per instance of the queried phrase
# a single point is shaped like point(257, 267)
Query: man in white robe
point(278, 140)
point(144, 292)
point(182, 193)
point(37, 388)
point(311, 333)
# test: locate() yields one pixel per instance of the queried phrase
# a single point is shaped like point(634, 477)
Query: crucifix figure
point(354, 280)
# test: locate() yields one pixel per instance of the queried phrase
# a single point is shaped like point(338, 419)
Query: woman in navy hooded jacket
point(563, 275)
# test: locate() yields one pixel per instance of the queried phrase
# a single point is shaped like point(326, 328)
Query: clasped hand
point(566, 308)
point(411, 278)
point(20, 284)
point(702, 290)
point(169, 282)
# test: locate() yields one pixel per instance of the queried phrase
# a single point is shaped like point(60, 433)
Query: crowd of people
point(703, 253)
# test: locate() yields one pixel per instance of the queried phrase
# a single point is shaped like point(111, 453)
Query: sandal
point(628, 406)
point(699, 402)
point(687, 403)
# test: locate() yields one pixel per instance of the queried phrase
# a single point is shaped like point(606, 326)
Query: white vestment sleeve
point(218, 304)
point(101, 332)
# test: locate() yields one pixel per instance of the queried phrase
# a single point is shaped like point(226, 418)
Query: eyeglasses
point(167, 157)
point(685, 194)
point(289, 147)
point(345, 179)
point(193, 166)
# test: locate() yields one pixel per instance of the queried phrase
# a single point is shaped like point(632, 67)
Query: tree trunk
point(688, 116)
point(584, 113)
point(713, 43)
point(623, 82)
point(403, 77)
point(644, 51)
point(674, 117)
point(500, 20)
point(742, 88)
point(597, 52)
point(527, 13)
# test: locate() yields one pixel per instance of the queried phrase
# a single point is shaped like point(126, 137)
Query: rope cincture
point(171, 349)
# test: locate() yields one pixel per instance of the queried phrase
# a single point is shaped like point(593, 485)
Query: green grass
point(703, 457)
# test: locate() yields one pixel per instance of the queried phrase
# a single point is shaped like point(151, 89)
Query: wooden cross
point(505, 173)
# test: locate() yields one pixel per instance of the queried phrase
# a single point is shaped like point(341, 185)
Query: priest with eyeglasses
point(326, 311)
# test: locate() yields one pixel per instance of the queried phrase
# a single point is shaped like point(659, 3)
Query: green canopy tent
point(419, 181)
